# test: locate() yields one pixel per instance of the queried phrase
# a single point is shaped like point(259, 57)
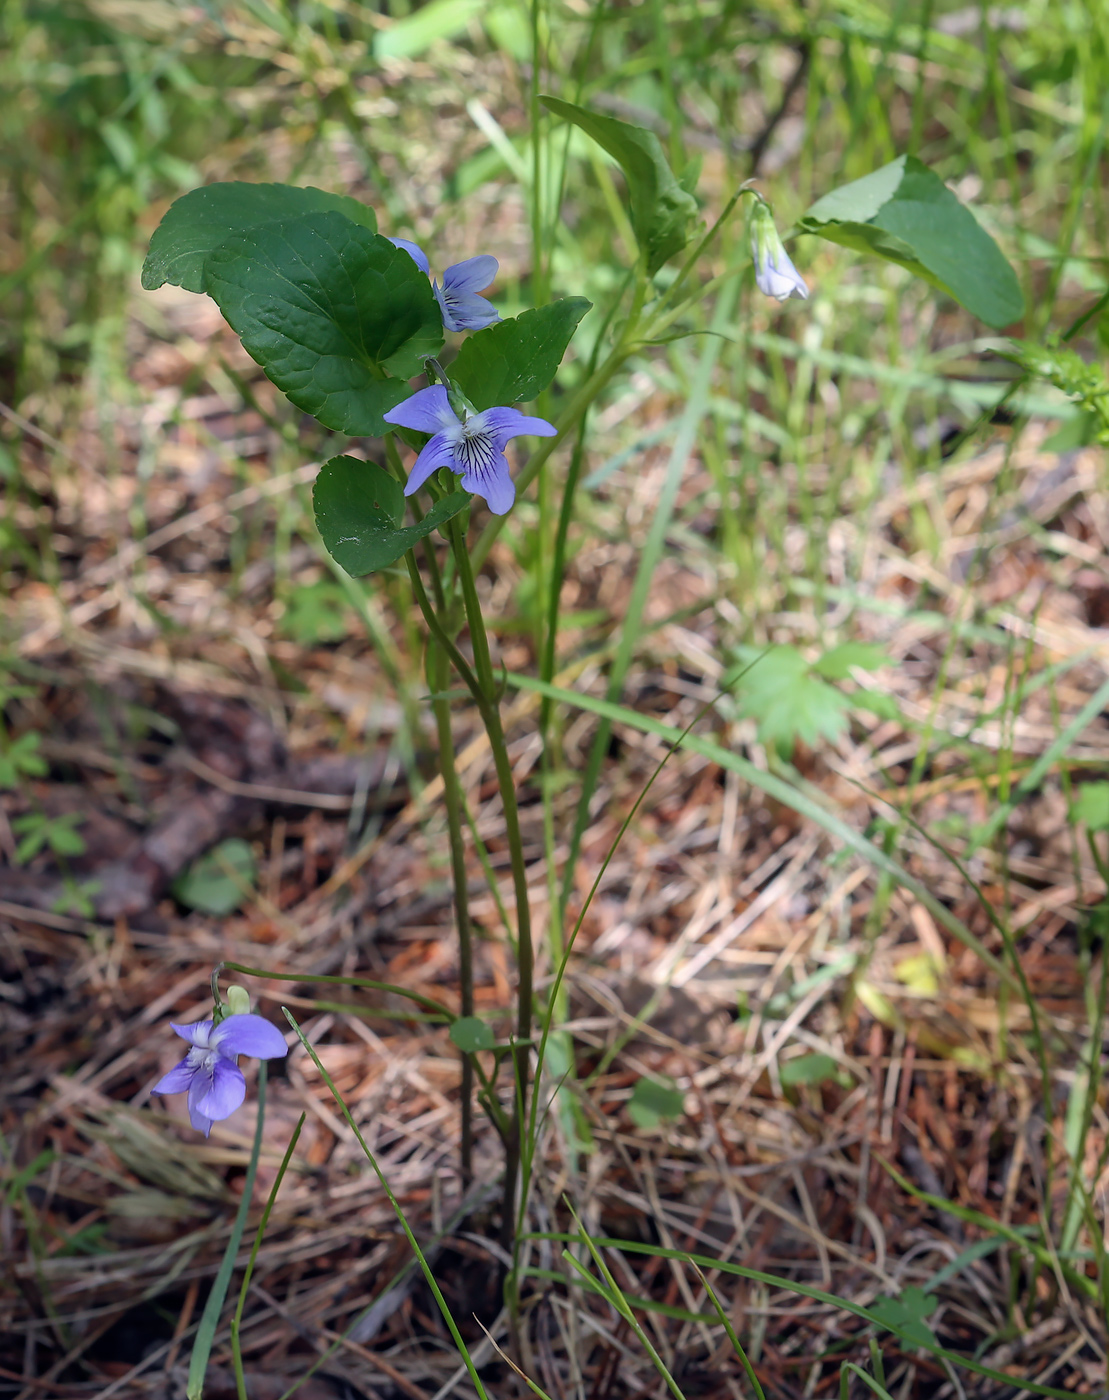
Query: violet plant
point(343, 320)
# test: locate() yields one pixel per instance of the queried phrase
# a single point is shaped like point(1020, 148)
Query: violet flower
point(473, 445)
point(462, 308)
point(210, 1074)
point(775, 274)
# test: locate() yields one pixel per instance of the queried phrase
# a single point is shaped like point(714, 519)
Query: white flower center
point(473, 450)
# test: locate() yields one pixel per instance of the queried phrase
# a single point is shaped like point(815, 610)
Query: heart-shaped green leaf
point(514, 361)
point(197, 223)
point(661, 209)
point(907, 215)
point(359, 507)
point(330, 311)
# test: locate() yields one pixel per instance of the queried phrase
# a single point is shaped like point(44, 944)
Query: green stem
point(438, 675)
point(479, 641)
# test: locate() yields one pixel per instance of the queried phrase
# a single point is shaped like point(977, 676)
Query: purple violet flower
point(462, 308)
point(210, 1072)
point(474, 446)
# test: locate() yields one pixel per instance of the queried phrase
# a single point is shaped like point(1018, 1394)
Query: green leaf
point(661, 209)
point(907, 1314)
point(514, 361)
point(441, 19)
point(197, 223)
point(22, 759)
point(470, 1033)
point(907, 215)
point(329, 310)
point(876, 702)
point(788, 701)
point(220, 880)
point(836, 664)
point(359, 508)
point(808, 1069)
point(652, 1102)
point(316, 612)
point(1092, 806)
point(1073, 433)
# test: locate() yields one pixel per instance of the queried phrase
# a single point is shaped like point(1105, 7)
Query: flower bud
point(238, 1000)
point(775, 274)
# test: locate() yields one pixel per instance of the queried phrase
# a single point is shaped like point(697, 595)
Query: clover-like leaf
point(197, 223)
point(661, 209)
point(220, 880)
point(809, 1069)
point(906, 214)
point(652, 1102)
point(514, 361)
point(337, 316)
point(908, 1313)
point(359, 508)
point(470, 1033)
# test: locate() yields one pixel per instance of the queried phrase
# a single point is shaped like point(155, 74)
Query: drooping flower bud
point(775, 274)
point(238, 1000)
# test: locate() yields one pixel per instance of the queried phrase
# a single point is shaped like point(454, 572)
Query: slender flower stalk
point(525, 952)
point(438, 672)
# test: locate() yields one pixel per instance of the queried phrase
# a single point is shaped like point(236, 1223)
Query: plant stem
point(438, 674)
point(525, 953)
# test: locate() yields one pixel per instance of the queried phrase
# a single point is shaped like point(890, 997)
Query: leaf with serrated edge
point(330, 311)
point(514, 361)
point(359, 507)
point(661, 209)
point(197, 223)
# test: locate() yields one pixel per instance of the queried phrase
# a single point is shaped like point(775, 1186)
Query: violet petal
point(247, 1034)
point(471, 275)
point(196, 1033)
point(504, 423)
point(222, 1093)
point(414, 251)
point(176, 1081)
point(439, 452)
point(426, 411)
point(494, 483)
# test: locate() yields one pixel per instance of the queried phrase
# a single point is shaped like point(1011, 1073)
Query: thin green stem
point(437, 1007)
point(525, 956)
point(437, 678)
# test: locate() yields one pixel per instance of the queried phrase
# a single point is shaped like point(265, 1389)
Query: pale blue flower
point(462, 308)
point(775, 274)
point(473, 445)
point(210, 1073)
